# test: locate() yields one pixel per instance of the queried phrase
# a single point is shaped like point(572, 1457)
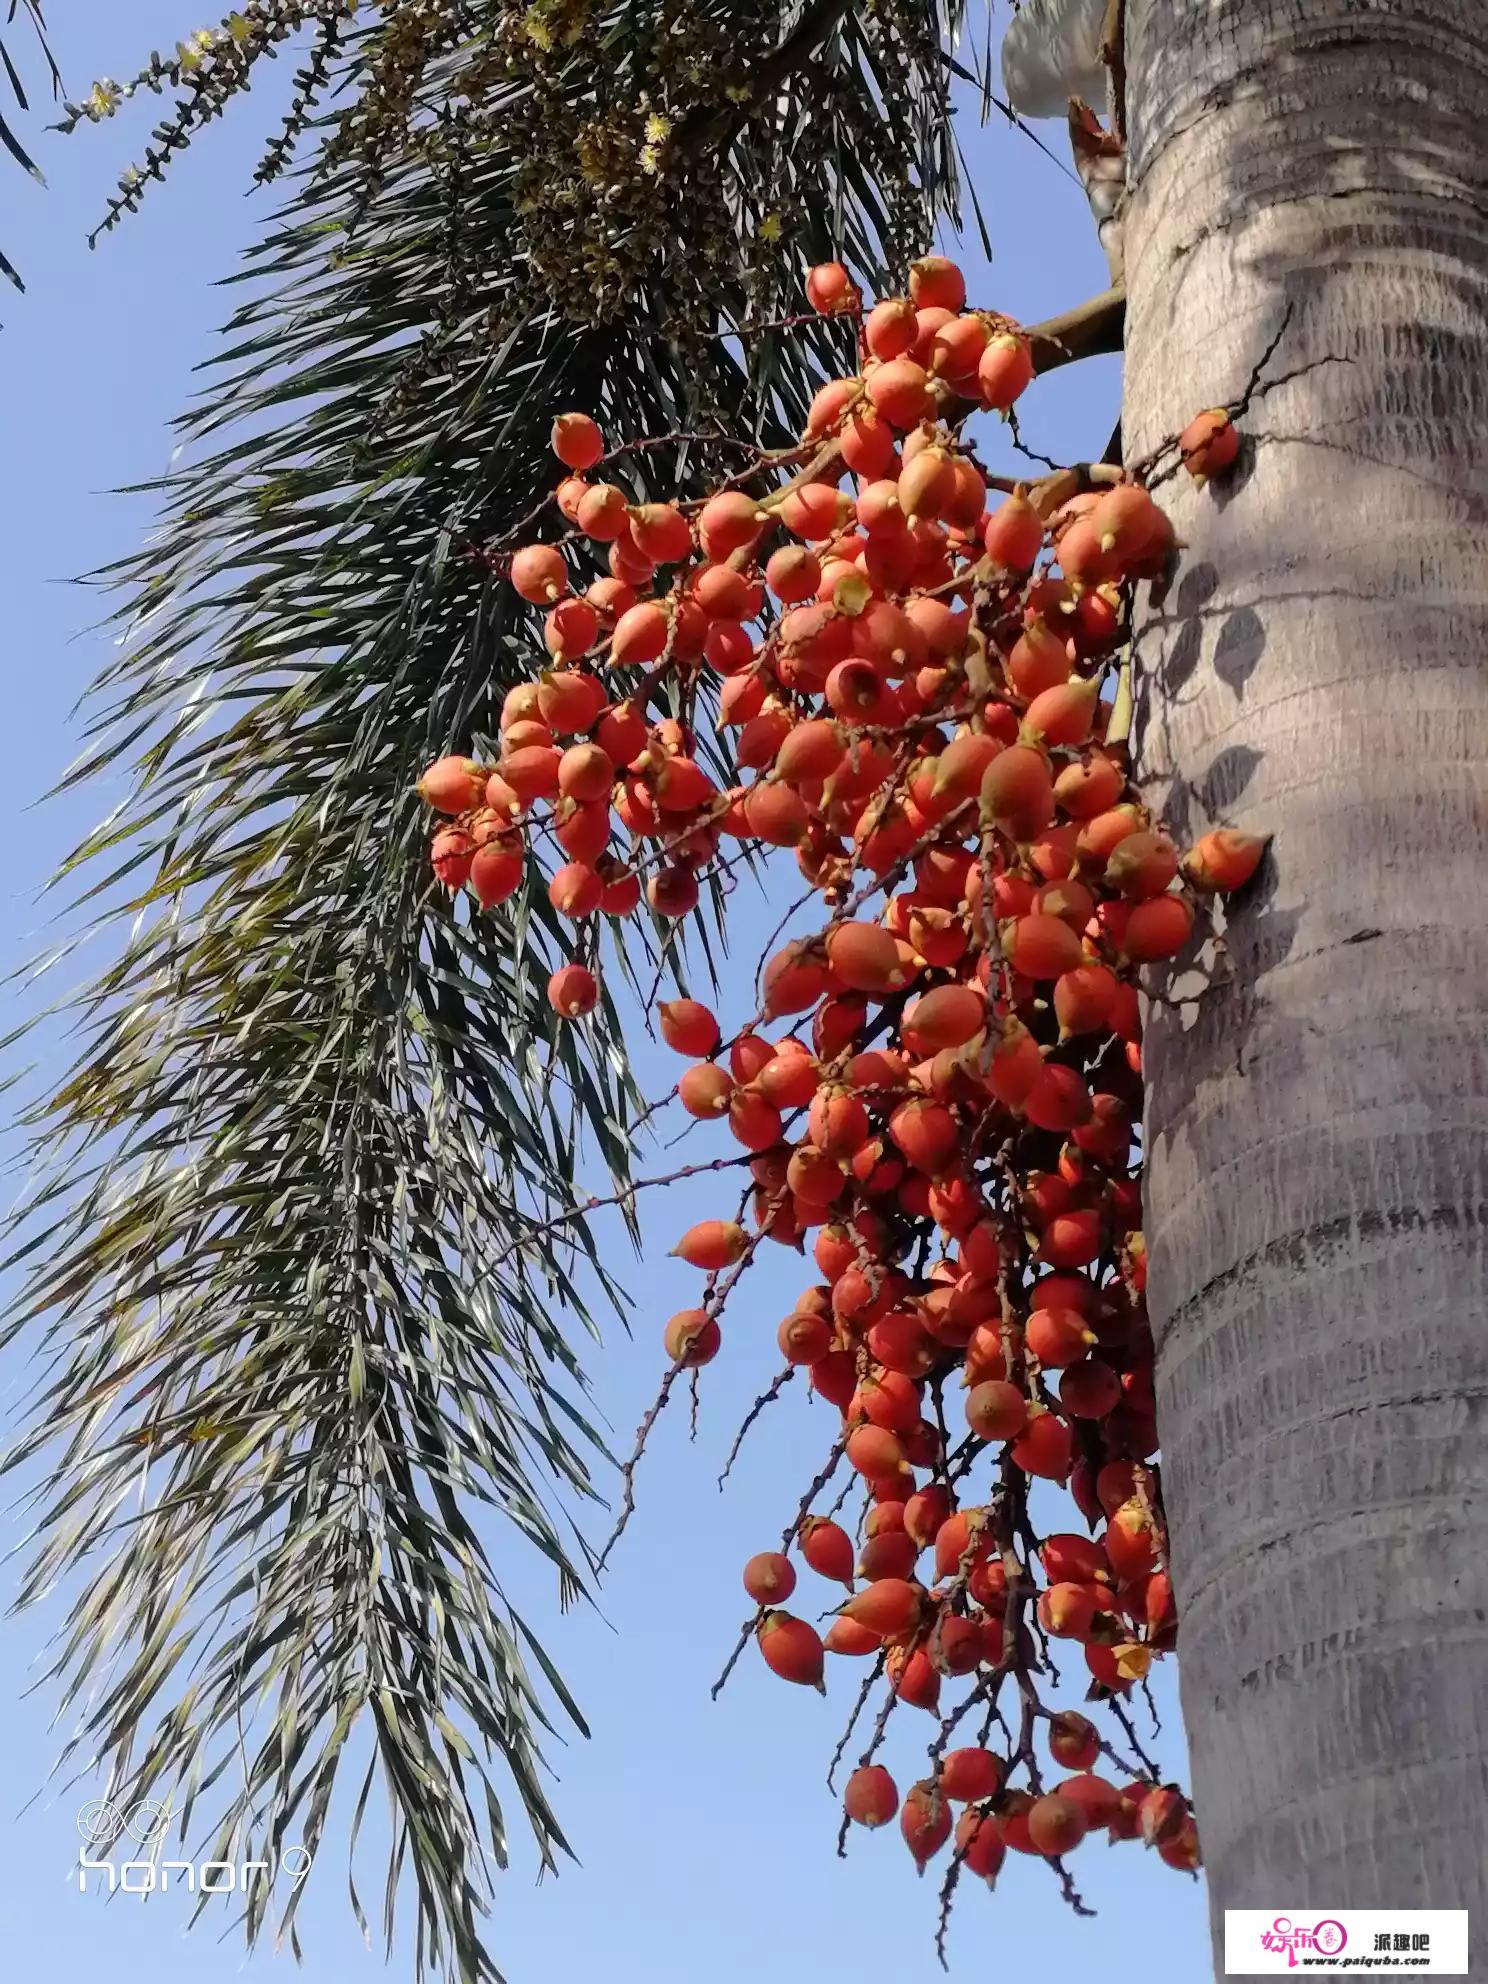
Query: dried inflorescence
point(938, 1090)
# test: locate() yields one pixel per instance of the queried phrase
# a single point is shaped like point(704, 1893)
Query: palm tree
point(15, 83)
point(298, 1326)
point(1307, 236)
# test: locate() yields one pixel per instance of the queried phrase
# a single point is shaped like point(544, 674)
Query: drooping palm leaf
point(13, 92)
point(292, 1344)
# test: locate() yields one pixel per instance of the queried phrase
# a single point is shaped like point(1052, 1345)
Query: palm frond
point(301, 1379)
point(13, 98)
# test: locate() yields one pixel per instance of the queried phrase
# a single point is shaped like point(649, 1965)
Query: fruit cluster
point(940, 1091)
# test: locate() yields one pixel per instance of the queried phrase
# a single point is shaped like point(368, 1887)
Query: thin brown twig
point(628, 1472)
point(767, 1397)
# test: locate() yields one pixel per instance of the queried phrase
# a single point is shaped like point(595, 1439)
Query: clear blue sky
point(705, 1831)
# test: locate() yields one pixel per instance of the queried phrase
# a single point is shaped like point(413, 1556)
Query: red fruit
point(955, 354)
point(1157, 929)
point(980, 1845)
point(961, 1537)
point(776, 815)
point(712, 1244)
point(575, 890)
point(496, 872)
point(1084, 999)
point(912, 1677)
point(1005, 371)
point(1098, 1799)
point(573, 991)
point(753, 1122)
point(1070, 1558)
point(570, 492)
point(789, 1081)
point(1058, 1099)
point(1089, 1390)
point(1090, 787)
point(971, 1774)
point(837, 1122)
point(577, 442)
point(955, 1647)
point(927, 484)
point(1209, 444)
point(900, 392)
point(769, 1578)
point(867, 444)
point(728, 522)
point(960, 769)
point(539, 573)
point(1017, 792)
point(996, 1410)
point(1056, 1824)
point(890, 327)
point(865, 958)
point(814, 511)
point(1131, 1541)
point(794, 979)
point(1042, 947)
point(601, 515)
point(1063, 715)
point(926, 1510)
point(532, 772)
point(870, 1797)
point(1067, 1611)
point(1045, 1447)
point(1163, 1813)
point(1040, 661)
point(925, 1821)
point(1057, 1337)
point(451, 853)
point(1181, 1849)
point(936, 284)
point(687, 1026)
point(622, 888)
point(1143, 865)
point(1012, 1820)
point(900, 1344)
point(661, 532)
point(828, 1549)
point(804, 1339)
point(692, 1338)
point(1014, 535)
point(1072, 1239)
point(582, 830)
point(572, 628)
point(1224, 860)
point(585, 773)
point(947, 1017)
point(846, 1637)
point(453, 785)
point(889, 1607)
point(875, 1452)
point(927, 1133)
point(673, 892)
point(831, 290)
point(1074, 1742)
point(889, 1399)
point(828, 405)
point(705, 1090)
point(792, 1649)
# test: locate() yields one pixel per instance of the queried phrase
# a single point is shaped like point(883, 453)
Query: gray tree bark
point(1314, 174)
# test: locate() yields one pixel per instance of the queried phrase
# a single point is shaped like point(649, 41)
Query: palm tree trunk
point(1313, 174)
